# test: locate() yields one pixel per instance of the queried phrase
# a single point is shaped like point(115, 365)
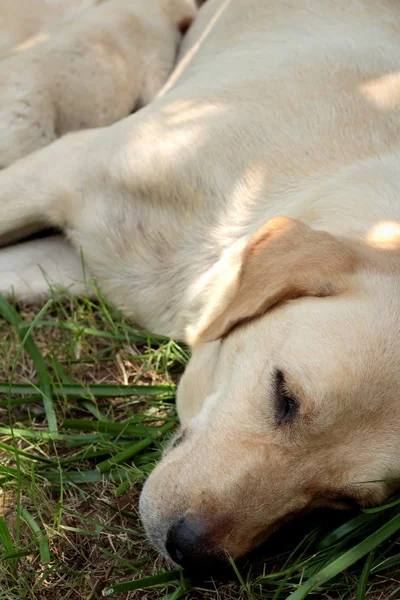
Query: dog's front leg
point(113, 191)
point(38, 191)
point(101, 187)
point(47, 188)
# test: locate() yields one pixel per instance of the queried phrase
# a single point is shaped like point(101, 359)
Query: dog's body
point(23, 20)
point(275, 108)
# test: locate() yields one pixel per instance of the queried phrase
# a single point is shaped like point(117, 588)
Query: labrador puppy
point(252, 209)
point(90, 70)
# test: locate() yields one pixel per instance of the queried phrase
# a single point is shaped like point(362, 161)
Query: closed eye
point(286, 404)
point(338, 499)
point(178, 440)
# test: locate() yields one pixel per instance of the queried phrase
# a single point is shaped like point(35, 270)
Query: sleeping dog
point(251, 209)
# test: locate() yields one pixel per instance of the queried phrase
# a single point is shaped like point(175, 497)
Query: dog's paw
point(34, 271)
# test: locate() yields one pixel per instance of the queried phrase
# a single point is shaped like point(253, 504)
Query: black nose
point(191, 547)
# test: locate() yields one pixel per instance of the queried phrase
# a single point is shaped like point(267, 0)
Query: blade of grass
point(180, 592)
point(363, 582)
point(124, 487)
point(391, 561)
point(24, 454)
point(98, 390)
point(20, 401)
point(41, 537)
point(135, 337)
point(131, 450)
point(94, 410)
point(44, 575)
point(141, 584)
point(46, 435)
point(8, 544)
point(340, 532)
point(347, 558)
point(59, 370)
point(116, 428)
point(122, 561)
point(101, 526)
point(21, 553)
point(9, 313)
point(82, 477)
point(382, 507)
point(6, 593)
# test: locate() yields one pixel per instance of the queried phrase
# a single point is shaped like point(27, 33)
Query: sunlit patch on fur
point(385, 235)
point(383, 92)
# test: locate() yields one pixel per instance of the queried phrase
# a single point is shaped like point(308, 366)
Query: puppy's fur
point(251, 209)
point(87, 71)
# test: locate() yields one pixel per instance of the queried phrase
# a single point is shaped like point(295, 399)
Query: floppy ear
point(284, 260)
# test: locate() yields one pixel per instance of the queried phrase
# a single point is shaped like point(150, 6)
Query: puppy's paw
point(33, 271)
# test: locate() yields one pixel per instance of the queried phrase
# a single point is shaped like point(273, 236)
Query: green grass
point(86, 404)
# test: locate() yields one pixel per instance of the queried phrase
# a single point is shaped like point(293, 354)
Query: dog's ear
point(284, 260)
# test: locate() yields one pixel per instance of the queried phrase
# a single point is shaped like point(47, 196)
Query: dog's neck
point(204, 245)
point(331, 205)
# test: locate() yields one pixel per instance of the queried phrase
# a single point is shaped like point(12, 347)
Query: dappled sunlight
point(244, 210)
point(249, 187)
point(177, 140)
point(31, 42)
point(27, 44)
point(175, 128)
point(159, 144)
point(385, 235)
point(189, 110)
point(383, 92)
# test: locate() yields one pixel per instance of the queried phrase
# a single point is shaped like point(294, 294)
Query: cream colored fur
point(36, 268)
point(21, 20)
point(275, 108)
point(89, 71)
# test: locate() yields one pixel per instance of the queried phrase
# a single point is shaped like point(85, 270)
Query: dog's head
point(292, 397)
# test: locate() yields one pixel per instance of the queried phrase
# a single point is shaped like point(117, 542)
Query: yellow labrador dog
point(252, 209)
